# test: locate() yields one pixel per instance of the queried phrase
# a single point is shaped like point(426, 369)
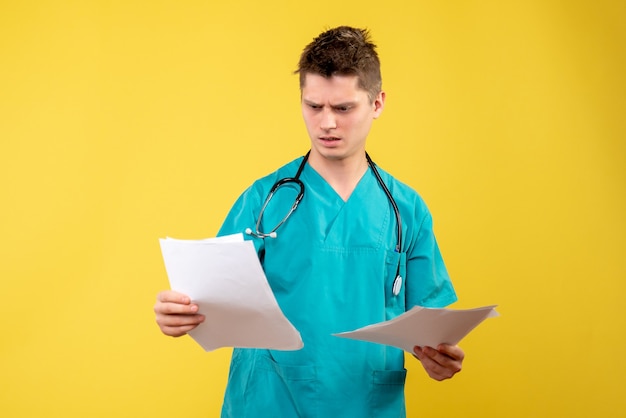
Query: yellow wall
point(125, 121)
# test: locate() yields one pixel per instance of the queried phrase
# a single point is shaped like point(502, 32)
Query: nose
point(328, 120)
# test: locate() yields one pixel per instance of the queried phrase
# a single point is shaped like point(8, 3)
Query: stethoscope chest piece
point(397, 285)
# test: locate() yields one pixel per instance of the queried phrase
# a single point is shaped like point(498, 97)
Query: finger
point(445, 360)
point(179, 320)
point(439, 366)
point(431, 365)
point(418, 352)
point(173, 297)
point(435, 370)
point(177, 331)
point(177, 325)
point(452, 351)
point(170, 308)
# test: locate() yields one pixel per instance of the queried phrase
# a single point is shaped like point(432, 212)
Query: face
point(338, 116)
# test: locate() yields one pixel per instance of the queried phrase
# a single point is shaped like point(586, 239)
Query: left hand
point(441, 363)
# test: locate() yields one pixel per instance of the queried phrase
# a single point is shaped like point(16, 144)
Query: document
point(224, 277)
point(423, 327)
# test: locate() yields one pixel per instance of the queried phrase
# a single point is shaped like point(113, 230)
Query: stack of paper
point(424, 327)
point(225, 278)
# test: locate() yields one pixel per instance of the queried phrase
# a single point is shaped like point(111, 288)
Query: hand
point(175, 314)
point(441, 363)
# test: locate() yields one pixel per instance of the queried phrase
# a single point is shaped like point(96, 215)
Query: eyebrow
point(345, 104)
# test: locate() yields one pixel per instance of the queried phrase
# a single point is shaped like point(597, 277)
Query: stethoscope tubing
point(397, 283)
point(296, 179)
point(396, 211)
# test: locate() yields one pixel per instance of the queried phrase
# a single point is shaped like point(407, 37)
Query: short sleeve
point(428, 282)
point(242, 215)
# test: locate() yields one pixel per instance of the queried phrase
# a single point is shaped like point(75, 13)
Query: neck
point(342, 174)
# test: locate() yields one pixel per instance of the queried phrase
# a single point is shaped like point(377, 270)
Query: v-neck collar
point(315, 177)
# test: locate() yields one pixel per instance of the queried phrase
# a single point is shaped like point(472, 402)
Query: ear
point(379, 104)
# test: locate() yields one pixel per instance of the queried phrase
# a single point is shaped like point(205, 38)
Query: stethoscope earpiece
point(272, 234)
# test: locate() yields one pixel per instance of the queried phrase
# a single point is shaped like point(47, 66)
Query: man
point(338, 262)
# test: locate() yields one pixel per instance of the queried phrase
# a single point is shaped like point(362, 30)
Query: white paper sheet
point(225, 278)
point(423, 327)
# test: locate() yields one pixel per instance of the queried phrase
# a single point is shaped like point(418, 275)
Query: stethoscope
point(295, 181)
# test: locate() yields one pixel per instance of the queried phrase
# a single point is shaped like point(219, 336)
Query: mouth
point(329, 139)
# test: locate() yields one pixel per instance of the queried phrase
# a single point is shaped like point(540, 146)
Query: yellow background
point(125, 121)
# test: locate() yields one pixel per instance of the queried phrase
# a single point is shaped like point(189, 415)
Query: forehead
point(317, 88)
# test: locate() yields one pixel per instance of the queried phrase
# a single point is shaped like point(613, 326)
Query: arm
point(175, 314)
point(441, 363)
point(430, 286)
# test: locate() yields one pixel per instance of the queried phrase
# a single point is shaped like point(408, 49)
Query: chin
point(331, 153)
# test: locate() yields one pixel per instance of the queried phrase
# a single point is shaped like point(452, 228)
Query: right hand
point(175, 314)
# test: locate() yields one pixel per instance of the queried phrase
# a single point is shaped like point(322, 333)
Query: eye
point(342, 109)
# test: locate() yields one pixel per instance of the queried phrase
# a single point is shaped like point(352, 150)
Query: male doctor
point(338, 262)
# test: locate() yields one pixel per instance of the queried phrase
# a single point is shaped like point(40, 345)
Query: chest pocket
point(395, 284)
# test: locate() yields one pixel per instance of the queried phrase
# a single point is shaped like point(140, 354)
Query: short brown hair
point(343, 51)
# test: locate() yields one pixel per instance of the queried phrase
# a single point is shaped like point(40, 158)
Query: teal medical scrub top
point(332, 268)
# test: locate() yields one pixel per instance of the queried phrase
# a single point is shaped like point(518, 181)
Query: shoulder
point(406, 197)
point(246, 208)
point(288, 170)
point(262, 185)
